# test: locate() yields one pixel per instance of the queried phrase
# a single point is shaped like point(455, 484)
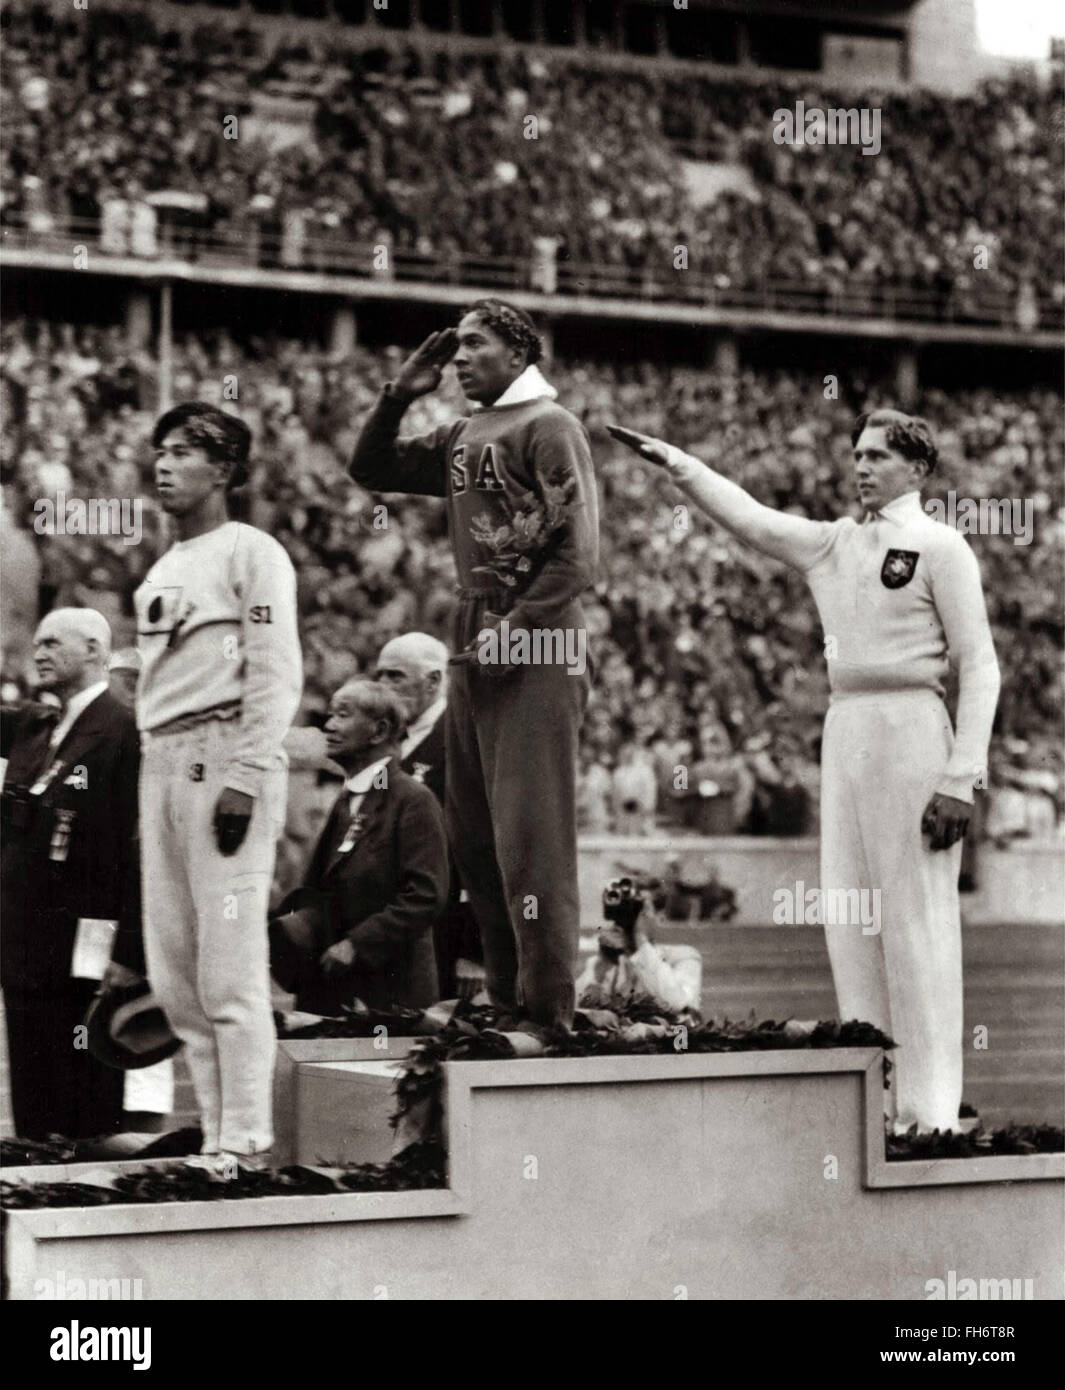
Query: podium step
point(343, 1113)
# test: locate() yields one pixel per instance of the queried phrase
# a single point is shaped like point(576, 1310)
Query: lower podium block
point(755, 1175)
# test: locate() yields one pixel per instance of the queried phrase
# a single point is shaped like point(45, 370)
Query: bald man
point(68, 876)
point(414, 668)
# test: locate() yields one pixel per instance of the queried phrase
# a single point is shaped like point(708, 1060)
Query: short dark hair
point(378, 702)
point(512, 324)
point(908, 435)
point(224, 438)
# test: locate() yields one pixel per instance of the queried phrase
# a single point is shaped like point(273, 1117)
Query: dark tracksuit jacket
point(511, 736)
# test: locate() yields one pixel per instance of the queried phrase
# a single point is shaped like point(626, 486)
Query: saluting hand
point(423, 369)
point(655, 450)
point(945, 820)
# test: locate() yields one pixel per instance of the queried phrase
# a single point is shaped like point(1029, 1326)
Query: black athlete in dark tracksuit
point(512, 731)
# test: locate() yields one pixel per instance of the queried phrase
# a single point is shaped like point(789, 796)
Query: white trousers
point(882, 758)
point(205, 935)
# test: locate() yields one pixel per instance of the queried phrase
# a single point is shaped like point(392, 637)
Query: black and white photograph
point(533, 553)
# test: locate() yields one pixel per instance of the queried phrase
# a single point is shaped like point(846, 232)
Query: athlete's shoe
point(224, 1167)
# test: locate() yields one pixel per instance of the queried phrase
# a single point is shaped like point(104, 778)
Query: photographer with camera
point(629, 969)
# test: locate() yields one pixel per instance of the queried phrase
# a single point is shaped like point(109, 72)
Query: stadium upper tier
point(523, 168)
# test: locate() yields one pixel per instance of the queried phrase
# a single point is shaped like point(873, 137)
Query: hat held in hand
point(297, 940)
point(128, 1030)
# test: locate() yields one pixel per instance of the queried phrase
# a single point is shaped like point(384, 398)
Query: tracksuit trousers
point(511, 821)
point(205, 935)
point(883, 757)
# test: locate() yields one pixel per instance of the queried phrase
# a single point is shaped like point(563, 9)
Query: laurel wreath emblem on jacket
point(536, 520)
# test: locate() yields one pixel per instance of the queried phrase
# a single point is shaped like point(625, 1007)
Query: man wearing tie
point(360, 927)
point(414, 668)
point(900, 601)
point(68, 880)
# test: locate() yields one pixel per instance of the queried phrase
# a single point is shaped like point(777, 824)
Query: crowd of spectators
point(709, 679)
point(529, 156)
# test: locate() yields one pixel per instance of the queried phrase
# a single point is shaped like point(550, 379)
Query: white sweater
point(216, 625)
point(899, 598)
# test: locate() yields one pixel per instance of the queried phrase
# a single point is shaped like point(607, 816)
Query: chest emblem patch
point(898, 568)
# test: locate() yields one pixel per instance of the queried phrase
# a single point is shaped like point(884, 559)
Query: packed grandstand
point(704, 654)
point(500, 160)
point(690, 631)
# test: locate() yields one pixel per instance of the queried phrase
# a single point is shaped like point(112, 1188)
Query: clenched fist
point(945, 820)
point(232, 814)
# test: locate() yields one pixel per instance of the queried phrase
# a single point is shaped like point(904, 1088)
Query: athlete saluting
point(900, 600)
point(523, 519)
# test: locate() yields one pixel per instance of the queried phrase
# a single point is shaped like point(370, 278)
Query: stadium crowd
point(706, 659)
point(529, 156)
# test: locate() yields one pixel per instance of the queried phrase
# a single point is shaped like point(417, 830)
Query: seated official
point(361, 925)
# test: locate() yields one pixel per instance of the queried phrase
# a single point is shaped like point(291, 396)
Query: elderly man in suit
point(360, 927)
point(414, 668)
point(68, 877)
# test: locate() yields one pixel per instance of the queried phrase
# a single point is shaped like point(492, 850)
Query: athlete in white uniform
point(219, 686)
point(900, 600)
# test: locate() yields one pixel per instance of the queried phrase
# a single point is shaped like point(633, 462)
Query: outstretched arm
point(794, 539)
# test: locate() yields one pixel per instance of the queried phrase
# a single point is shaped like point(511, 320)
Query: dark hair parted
point(224, 438)
point(907, 435)
point(512, 324)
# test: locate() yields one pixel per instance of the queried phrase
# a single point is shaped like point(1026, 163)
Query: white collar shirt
point(361, 782)
point(420, 729)
point(529, 386)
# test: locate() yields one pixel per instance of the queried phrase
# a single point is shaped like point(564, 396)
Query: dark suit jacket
point(383, 895)
point(98, 763)
point(426, 763)
point(455, 931)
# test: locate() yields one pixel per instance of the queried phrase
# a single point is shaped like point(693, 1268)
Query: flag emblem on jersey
point(898, 567)
point(158, 615)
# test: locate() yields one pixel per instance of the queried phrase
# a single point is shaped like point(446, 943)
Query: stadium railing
point(265, 249)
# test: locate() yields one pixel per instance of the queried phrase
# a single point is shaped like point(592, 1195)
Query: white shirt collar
point(76, 706)
point(361, 782)
point(419, 730)
point(529, 386)
point(900, 507)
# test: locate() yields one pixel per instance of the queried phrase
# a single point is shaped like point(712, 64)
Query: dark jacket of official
point(426, 763)
point(383, 894)
point(455, 931)
point(96, 780)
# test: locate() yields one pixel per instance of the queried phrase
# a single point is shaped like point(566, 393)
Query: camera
point(624, 899)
